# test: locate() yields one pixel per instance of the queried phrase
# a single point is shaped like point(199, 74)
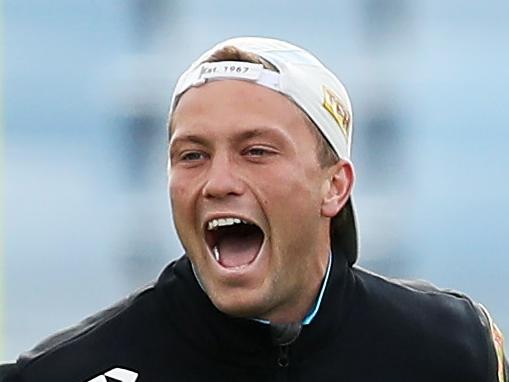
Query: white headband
point(229, 70)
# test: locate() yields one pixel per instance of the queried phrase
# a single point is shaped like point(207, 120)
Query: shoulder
point(8, 373)
point(119, 336)
point(446, 324)
point(415, 298)
point(74, 351)
point(93, 335)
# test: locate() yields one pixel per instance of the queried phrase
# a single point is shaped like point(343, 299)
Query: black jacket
point(368, 328)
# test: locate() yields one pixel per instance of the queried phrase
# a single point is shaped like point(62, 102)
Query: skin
point(240, 149)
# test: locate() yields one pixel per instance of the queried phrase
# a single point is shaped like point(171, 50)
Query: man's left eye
point(257, 151)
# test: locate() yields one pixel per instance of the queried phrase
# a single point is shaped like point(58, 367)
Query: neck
point(307, 295)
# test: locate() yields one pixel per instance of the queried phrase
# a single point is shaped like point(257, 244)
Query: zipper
point(283, 335)
point(282, 371)
point(283, 358)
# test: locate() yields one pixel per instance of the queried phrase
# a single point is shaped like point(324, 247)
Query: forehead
point(234, 104)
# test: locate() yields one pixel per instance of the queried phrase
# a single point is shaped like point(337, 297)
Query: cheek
point(292, 201)
point(177, 193)
point(181, 205)
point(298, 188)
point(182, 213)
point(179, 188)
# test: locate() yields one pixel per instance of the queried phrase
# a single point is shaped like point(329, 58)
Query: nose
point(222, 179)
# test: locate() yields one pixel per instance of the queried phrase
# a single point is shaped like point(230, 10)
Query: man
point(260, 183)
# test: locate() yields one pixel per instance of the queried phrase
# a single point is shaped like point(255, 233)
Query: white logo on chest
point(118, 374)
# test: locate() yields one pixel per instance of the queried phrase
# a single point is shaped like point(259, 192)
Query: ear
point(337, 188)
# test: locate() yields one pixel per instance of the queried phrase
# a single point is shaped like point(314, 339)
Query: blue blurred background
point(86, 90)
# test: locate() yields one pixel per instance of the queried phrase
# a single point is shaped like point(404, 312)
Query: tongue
point(239, 250)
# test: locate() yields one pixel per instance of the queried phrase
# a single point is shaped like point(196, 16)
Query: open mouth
point(234, 242)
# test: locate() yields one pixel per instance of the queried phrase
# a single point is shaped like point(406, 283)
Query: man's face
point(247, 195)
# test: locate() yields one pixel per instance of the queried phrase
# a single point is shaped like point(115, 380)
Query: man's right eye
point(192, 156)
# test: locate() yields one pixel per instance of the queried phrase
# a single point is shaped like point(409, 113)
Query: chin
point(239, 306)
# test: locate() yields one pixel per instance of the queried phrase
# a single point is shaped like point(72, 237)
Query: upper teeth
point(214, 223)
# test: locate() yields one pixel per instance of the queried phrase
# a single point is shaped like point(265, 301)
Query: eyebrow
point(253, 133)
point(188, 138)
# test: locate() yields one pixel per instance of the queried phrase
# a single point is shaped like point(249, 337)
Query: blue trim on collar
point(312, 313)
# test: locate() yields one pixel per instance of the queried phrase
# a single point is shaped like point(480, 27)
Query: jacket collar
point(190, 312)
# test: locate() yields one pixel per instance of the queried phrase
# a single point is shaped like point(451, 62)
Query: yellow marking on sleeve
point(498, 342)
point(2, 261)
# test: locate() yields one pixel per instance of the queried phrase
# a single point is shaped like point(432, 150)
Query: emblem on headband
point(334, 106)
